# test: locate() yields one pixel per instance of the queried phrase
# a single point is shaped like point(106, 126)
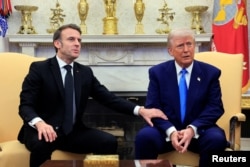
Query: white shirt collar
point(179, 68)
point(62, 63)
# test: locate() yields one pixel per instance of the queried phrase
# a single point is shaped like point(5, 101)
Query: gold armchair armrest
point(235, 123)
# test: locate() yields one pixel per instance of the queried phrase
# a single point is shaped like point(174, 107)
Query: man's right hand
point(148, 114)
point(45, 130)
point(181, 139)
point(175, 138)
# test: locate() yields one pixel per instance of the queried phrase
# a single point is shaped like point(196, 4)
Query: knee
point(217, 141)
point(141, 135)
point(110, 140)
point(107, 145)
point(147, 135)
point(39, 146)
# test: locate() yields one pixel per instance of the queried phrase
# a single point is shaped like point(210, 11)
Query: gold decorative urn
point(83, 9)
point(110, 21)
point(26, 19)
point(139, 8)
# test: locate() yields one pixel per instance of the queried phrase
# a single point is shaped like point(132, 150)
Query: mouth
point(76, 51)
point(185, 56)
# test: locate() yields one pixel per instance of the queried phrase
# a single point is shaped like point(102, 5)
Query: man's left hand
point(186, 136)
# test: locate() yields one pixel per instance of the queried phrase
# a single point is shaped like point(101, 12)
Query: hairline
point(182, 32)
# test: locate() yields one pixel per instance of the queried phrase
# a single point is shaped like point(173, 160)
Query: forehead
point(182, 39)
point(69, 32)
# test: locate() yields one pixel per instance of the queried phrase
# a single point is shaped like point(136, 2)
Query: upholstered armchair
point(231, 66)
point(14, 67)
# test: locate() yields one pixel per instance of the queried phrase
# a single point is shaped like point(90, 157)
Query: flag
point(5, 11)
point(5, 8)
point(230, 32)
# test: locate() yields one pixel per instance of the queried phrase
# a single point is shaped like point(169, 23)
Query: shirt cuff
point(136, 110)
point(169, 131)
point(196, 135)
point(137, 163)
point(34, 121)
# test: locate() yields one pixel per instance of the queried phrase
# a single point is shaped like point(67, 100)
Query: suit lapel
point(77, 83)
point(57, 74)
point(172, 81)
point(195, 83)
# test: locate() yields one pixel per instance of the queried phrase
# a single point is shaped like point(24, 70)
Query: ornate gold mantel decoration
point(165, 17)
point(83, 9)
point(245, 102)
point(26, 19)
point(110, 21)
point(139, 8)
point(57, 17)
point(196, 12)
point(101, 160)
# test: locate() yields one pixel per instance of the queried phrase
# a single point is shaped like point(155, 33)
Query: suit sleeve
point(154, 100)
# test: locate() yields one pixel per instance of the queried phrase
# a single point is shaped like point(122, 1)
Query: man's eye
point(180, 46)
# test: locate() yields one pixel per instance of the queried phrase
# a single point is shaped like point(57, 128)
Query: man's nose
point(77, 42)
point(186, 47)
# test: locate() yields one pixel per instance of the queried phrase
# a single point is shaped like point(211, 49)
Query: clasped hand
point(181, 139)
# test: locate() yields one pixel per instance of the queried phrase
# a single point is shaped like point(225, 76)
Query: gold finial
point(165, 17)
point(139, 8)
point(57, 17)
point(83, 9)
point(110, 21)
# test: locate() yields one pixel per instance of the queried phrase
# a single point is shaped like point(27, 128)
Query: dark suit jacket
point(204, 104)
point(42, 94)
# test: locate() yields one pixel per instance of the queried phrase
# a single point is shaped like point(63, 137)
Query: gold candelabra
point(26, 19)
point(196, 23)
point(110, 21)
point(139, 8)
point(83, 9)
point(57, 17)
point(165, 17)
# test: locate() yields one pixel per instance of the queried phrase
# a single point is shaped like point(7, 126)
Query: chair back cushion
point(231, 66)
point(13, 67)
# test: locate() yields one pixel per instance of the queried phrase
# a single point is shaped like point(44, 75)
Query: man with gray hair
point(189, 93)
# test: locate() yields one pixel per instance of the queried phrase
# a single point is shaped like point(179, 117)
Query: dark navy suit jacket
point(204, 104)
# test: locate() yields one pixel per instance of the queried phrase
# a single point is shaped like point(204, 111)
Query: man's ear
point(57, 44)
point(169, 51)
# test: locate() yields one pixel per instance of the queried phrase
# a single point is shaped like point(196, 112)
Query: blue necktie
point(68, 89)
point(183, 93)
